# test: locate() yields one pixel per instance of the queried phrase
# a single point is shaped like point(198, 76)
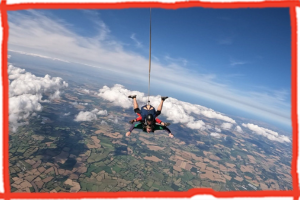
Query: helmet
point(149, 117)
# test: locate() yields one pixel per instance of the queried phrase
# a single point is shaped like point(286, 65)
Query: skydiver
point(149, 128)
point(147, 114)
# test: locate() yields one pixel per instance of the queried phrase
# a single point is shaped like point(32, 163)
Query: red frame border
point(291, 4)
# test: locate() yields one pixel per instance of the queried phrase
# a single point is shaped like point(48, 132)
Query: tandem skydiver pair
point(147, 118)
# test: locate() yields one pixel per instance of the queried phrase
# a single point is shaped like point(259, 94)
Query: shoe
point(164, 98)
point(131, 121)
point(132, 96)
point(167, 123)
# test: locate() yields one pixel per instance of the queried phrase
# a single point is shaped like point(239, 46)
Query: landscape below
point(54, 153)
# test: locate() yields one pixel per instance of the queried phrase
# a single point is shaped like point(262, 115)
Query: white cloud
point(95, 111)
point(86, 91)
point(20, 108)
point(99, 112)
point(35, 33)
point(208, 127)
point(234, 63)
point(216, 135)
point(137, 43)
point(56, 95)
point(175, 110)
point(26, 91)
point(118, 95)
point(271, 135)
point(67, 114)
point(238, 129)
point(102, 112)
point(171, 60)
point(26, 83)
point(85, 116)
point(37, 55)
point(218, 129)
point(226, 126)
point(103, 122)
point(91, 115)
point(196, 125)
point(212, 114)
point(114, 120)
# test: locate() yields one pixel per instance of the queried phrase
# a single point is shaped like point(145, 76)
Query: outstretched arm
point(161, 123)
point(159, 127)
point(130, 130)
point(137, 126)
point(168, 130)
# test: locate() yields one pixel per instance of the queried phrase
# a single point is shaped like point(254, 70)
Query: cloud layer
point(175, 110)
point(238, 129)
point(26, 83)
point(271, 135)
point(226, 126)
point(85, 116)
point(26, 92)
point(182, 112)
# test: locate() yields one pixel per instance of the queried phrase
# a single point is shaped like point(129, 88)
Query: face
point(148, 130)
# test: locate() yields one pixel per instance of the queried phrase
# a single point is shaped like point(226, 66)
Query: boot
point(132, 96)
point(164, 98)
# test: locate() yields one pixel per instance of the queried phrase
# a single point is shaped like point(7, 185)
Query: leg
point(136, 109)
point(159, 108)
point(161, 103)
point(158, 111)
point(135, 104)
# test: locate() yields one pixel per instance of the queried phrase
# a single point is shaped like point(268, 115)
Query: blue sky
point(240, 45)
point(237, 57)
